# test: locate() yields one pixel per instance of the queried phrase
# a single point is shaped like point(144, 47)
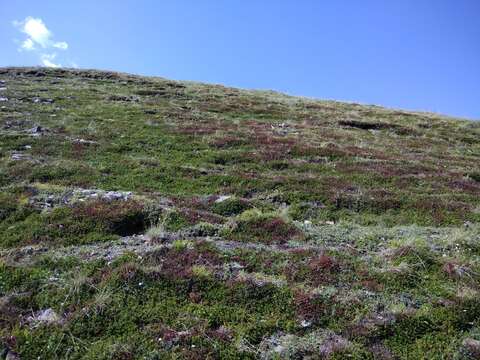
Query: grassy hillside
point(153, 219)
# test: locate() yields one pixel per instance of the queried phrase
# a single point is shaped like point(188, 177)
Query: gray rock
point(222, 198)
point(320, 343)
point(117, 195)
point(48, 316)
point(123, 98)
point(105, 195)
point(284, 129)
point(38, 100)
point(12, 355)
point(37, 130)
point(83, 141)
point(471, 347)
point(18, 156)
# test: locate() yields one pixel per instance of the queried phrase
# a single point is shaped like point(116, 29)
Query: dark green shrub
point(475, 176)
point(121, 218)
point(8, 205)
point(231, 206)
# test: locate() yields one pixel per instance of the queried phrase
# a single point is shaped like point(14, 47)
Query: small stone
point(3, 99)
point(83, 141)
point(235, 266)
point(37, 130)
point(222, 198)
point(305, 323)
point(48, 316)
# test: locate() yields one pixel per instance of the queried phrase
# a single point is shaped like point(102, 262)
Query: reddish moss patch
point(319, 270)
point(228, 141)
point(269, 230)
point(309, 307)
point(197, 216)
point(177, 264)
point(305, 150)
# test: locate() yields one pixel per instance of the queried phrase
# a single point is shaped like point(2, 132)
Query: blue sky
point(420, 55)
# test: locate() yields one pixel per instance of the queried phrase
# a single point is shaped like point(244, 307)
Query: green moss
point(231, 206)
point(174, 221)
point(474, 176)
point(20, 279)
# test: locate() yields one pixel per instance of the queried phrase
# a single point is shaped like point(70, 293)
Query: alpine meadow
point(146, 218)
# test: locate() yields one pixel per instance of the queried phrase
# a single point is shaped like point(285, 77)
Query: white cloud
point(39, 40)
point(47, 60)
point(28, 44)
point(48, 63)
point(61, 45)
point(37, 31)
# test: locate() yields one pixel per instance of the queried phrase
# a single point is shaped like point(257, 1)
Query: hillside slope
point(147, 218)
